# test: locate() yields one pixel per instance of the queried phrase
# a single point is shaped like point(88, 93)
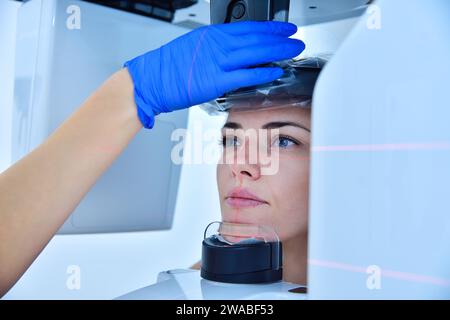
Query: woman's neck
point(295, 258)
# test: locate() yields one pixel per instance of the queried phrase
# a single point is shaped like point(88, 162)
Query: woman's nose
point(246, 171)
point(245, 164)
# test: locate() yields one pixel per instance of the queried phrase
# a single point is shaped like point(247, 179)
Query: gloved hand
point(208, 62)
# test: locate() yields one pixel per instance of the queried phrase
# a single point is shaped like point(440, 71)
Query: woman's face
point(250, 194)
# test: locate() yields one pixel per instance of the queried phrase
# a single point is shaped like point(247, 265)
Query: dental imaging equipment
point(379, 224)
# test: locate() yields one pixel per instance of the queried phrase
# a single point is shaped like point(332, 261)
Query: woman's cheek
point(221, 180)
point(291, 197)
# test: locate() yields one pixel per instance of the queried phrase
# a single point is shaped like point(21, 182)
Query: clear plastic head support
point(235, 233)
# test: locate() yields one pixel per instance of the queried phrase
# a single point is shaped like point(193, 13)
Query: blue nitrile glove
point(208, 62)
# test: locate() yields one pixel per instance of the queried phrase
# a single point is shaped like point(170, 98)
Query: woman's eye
point(285, 142)
point(229, 141)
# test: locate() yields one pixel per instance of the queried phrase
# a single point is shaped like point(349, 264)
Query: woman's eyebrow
point(232, 125)
point(279, 124)
point(269, 125)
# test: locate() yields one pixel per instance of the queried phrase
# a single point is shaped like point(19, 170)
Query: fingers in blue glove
point(255, 55)
point(267, 27)
point(251, 40)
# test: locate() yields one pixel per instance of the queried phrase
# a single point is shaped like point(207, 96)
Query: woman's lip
point(243, 198)
point(236, 202)
point(243, 193)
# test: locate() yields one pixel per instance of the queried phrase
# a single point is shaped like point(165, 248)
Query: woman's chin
point(253, 216)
